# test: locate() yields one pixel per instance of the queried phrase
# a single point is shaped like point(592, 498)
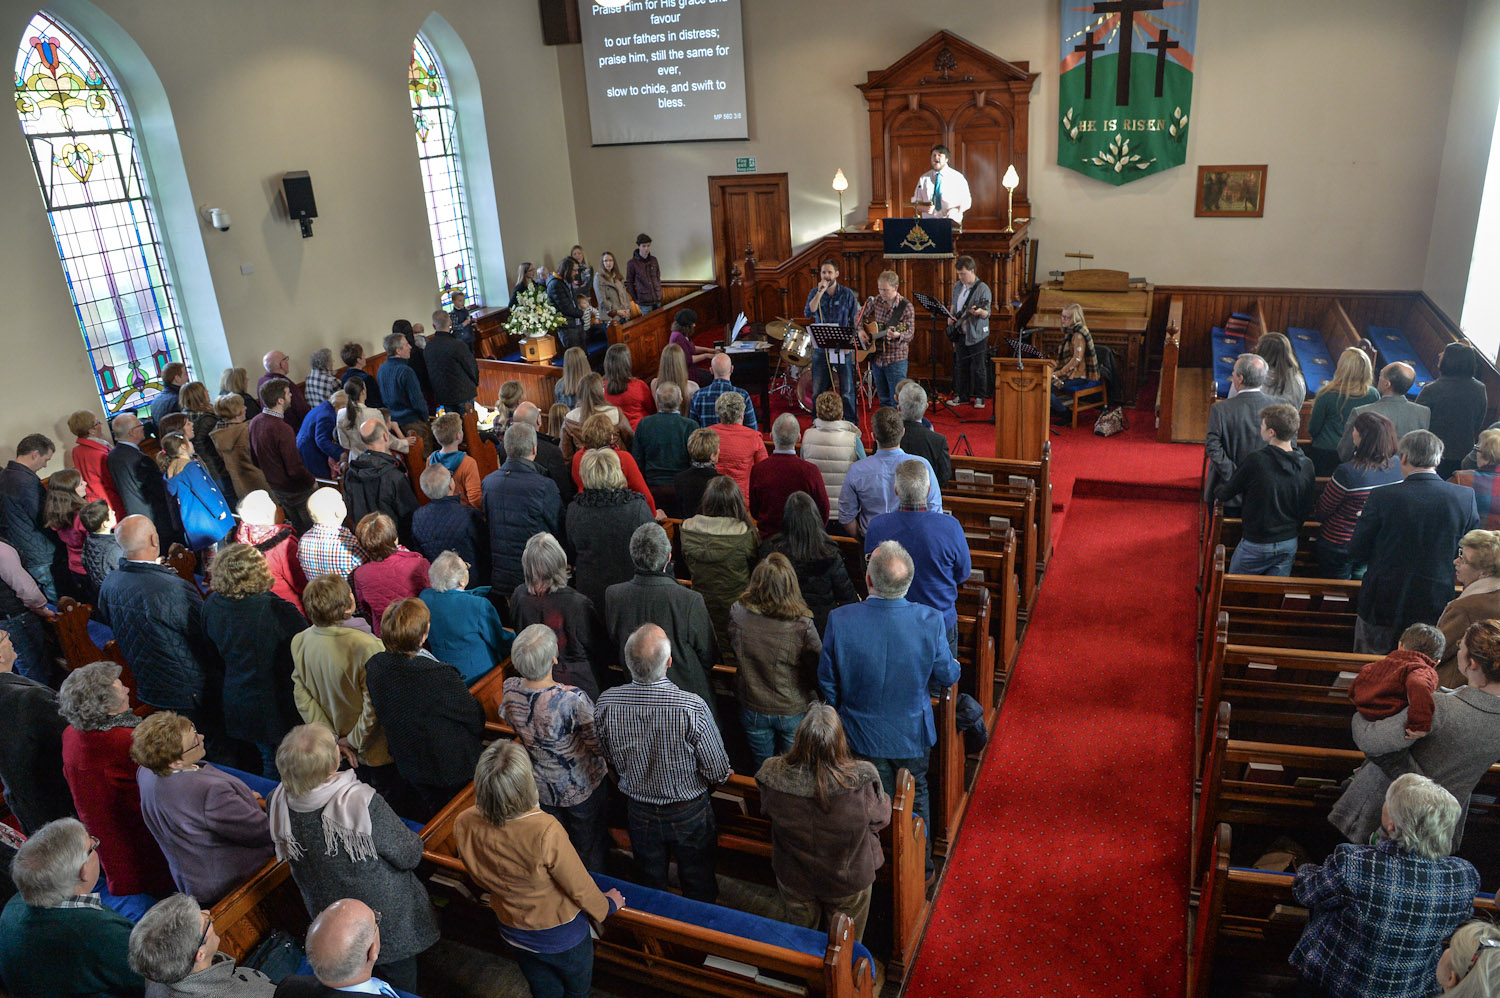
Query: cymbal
point(778, 328)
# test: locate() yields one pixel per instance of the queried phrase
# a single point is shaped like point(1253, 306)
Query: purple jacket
point(213, 833)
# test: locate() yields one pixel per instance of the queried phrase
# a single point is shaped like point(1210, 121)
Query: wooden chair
point(1090, 396)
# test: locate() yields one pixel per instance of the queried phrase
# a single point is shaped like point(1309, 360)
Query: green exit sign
point(744, 164)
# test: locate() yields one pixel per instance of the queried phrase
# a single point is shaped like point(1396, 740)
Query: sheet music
point(739, 324)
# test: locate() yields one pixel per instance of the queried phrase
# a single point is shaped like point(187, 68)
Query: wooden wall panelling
point(538, 379)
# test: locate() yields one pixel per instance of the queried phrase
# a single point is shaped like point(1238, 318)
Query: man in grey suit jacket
point(1234, 423)
point(1395, 381)
point(971, 303)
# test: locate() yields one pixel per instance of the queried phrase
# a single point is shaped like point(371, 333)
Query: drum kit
point(794, 373)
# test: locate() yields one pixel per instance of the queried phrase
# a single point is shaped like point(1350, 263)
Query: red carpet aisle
point(1070, 871)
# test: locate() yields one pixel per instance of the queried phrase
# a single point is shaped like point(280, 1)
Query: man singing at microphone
point(833, 303)
point(942, 192)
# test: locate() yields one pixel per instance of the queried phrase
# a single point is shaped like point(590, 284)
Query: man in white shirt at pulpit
point(942, 192)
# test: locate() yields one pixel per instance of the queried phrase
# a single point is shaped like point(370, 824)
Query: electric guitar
point(955, 329)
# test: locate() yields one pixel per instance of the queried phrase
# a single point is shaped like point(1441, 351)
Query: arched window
point(95, 192)
point(436, 125)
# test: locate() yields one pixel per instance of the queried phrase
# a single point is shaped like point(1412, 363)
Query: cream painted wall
point(1465, 158)
point(1336, 97)
point(260, 88)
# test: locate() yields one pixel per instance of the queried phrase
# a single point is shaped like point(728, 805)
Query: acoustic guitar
point(877, 331)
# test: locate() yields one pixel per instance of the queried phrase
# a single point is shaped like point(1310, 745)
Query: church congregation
point(721, 519)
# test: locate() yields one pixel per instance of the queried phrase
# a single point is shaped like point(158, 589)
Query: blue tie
point(937, 192)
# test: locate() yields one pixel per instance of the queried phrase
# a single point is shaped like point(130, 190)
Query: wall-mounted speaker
point(296, 187)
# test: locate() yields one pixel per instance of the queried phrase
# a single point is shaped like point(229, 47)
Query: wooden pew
point(1039, 472)
point(268, 901)
point(1292, 788)
point(1282, 694)
point(1211, 890)
point(1277, 610)
point(1166, 389)
point(71, 624)
point(976, 514)
point(657, 951)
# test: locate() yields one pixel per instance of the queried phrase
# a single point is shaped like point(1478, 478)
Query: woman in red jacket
point(89, 455)
point(391, 573)
point(101, 776)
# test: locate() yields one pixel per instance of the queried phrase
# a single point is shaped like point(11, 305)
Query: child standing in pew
point(1404, 680)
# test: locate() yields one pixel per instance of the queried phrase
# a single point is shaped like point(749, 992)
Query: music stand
point(831, 336)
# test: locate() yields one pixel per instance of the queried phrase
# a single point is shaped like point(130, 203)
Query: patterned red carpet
point(1070, 872)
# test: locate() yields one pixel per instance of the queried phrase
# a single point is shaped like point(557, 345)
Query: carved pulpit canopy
point(952, 92)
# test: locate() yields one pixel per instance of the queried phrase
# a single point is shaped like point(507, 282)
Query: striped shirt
point(661, 741)
point(326, 550)
point(1344, 496)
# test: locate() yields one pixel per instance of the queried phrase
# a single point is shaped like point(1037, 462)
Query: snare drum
point(797, 348)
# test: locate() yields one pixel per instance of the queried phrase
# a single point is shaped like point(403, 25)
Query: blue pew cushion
point(725, 920)
point(1394, 346)
point(1312, 356)
point(1227, 346)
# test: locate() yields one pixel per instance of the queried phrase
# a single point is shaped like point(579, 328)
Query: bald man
point(279, 365)
point(666, 749)
point(1395, 381)
point(377, 482)
point(157, 618)
point(343, 945)
point(705, 397)
point(143, 490)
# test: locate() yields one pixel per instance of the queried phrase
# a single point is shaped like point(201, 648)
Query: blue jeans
point(921, 806)
point(1251, 558)
point(886, 380)
point(1064, 395)
point(685, 831)
point(769, 734)
point(568, 974)
point(822, 381)
point(587, 825)
point(29, 639)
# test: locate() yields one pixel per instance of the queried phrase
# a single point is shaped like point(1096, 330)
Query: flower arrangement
point(533, 315)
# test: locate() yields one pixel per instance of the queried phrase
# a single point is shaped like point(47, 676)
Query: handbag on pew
point(1111, 421)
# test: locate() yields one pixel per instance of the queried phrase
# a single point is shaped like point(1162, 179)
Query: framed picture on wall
point(1231, 192)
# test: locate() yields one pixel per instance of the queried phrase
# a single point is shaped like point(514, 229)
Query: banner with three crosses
point(1125, 89)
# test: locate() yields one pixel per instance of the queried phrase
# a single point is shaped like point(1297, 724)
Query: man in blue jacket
point(880, 659)
point(519, 500)
point(317, 442)
point(402, 390)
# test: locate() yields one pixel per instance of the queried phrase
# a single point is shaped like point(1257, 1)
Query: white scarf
point(345, 802)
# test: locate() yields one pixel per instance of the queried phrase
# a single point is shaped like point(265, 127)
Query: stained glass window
point(436, 126)
point(97, 202)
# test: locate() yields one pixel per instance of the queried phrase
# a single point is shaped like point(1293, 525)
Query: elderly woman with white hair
point(321, 381)
point(277, 541)
point(546, 598)
point(175, 948)
point(1477, 569)
point(55, 936)
point(1379, 913)
point(740, 447)
point(342, 840)
point(101, 775)
point(555, 722)
point(600, 520)
point(466, 629)
point(1470, 966)
point(541, 893)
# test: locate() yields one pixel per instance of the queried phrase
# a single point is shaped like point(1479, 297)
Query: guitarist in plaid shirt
point(891, 315)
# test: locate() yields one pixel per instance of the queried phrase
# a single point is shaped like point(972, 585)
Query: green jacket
point(721, 552)
point(1330, 412)
point(62, 952)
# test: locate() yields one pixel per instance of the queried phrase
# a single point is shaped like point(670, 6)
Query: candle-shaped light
point(840, 184)
point(1011, 181)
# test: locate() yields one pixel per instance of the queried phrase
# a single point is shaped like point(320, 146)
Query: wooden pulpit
point(1023, 401)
